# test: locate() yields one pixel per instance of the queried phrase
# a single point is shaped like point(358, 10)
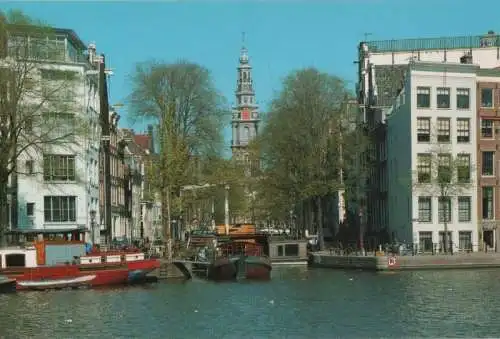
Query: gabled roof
point(142, 140)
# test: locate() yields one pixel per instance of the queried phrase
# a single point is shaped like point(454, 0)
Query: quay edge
point(404, 263)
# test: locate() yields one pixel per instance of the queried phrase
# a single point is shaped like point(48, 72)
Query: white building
point(382, 66)
point(482, 48)
point(433, 117)
point(58, 182)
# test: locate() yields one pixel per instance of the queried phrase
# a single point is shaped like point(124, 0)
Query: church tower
point(245, 119)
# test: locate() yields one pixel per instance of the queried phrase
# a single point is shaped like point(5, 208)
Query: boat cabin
point(237, 229)
point(28, 236)
point(243, 243)
point(37, 248)
point(18, 257)
point(286, 250)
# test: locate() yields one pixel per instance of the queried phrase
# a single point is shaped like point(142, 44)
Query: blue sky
point(281, 35)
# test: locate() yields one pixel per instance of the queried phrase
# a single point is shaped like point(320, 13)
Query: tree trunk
point(442, 199)
point(321, 238)
point(4, 208)
point(310, 216)
point(445, 235)
point(299, 223)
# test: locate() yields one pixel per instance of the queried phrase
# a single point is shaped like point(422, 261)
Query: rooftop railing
point(420, 44)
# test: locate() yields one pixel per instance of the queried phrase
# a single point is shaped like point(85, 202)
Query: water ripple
point(297, 303)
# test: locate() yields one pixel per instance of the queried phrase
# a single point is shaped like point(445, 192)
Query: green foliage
point(300, 144)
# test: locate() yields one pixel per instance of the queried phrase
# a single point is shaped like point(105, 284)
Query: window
point(443, 129)
point(443, 97)
point(444, 174)
point(487, 97)
point(444, 210)
point(57, 91)
point(486, 129)
point(29, 167)
point(424, 209)
point(487, 167)
point(463, 130)
point(59, 168)
point(424, 168)
point(463, 168)
point(465, 240)
point(464, 209)
point(59, 209)
point(30, 209)
point(425, 241)
point(28, 124)
point(291, 250)
point(59, 127)
point(423, 97)
point(463, 100)
point(488, 212)
point(423, 129)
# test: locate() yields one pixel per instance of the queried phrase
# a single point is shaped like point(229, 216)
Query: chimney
point(466, 58)
point(151, 139)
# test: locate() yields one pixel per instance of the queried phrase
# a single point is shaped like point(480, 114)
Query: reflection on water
point(298, 302)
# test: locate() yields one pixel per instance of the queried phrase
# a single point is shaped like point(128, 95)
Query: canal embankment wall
point(417, 262)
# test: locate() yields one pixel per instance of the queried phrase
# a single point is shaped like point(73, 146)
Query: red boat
point(241, 255)
point(248, 258)
point(48, 260)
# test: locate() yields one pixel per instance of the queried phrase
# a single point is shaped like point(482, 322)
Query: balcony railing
point(46, 50)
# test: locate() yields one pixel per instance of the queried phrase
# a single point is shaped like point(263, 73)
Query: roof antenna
point(243, 39)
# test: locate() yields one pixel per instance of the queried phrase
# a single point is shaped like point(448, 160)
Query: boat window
point(280, 251)
point(292, 250)
point(15, 260)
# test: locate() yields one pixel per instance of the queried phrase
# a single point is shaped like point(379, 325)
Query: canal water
point(297, 303)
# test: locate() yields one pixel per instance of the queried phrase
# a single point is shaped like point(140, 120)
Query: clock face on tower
point(245, 115)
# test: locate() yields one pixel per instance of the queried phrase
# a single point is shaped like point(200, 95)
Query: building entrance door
point(489, 240)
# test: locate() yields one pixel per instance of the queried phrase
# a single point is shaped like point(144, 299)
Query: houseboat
point(63, 256)
point(241, 254)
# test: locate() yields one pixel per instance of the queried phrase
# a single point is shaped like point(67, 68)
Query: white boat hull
point(56, 283)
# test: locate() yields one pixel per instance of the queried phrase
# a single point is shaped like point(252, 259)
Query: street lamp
point(226, 208)
point(92, 226)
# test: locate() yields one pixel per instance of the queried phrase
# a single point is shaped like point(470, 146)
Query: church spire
point(244, 51)
point(245, 111)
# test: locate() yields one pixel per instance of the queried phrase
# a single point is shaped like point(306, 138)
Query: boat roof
point(242, 237)
point(46, 231)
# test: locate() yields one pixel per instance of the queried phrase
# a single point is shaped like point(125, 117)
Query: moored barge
point(65, 257)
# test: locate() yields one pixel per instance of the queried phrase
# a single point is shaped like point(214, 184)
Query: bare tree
point(444, 174)
point(37, 101)
point(181, 98)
